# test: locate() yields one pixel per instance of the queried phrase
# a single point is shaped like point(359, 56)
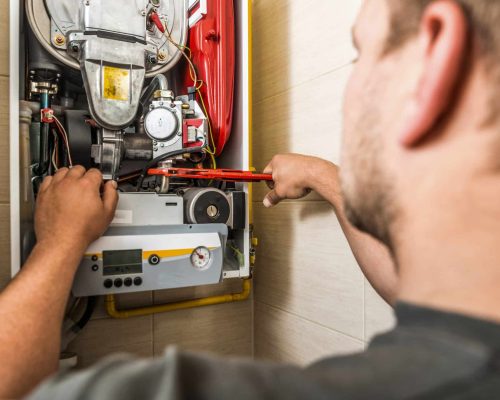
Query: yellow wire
point(210, 151)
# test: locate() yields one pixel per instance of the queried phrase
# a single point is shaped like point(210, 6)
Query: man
point(420, 173)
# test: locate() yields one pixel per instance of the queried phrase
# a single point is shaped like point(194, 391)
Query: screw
point(59, 40)
point(162, 56)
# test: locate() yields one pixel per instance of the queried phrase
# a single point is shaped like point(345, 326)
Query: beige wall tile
point(89, 355)
point(124, 301)
point(4, 37)
point(4, 139)
point(297, 41)
point(4, 245)
point(379, 316)
point(304, 266)
point(103, 337)
point(224, 329)
point(306, 119)
point(283, 337)
point(197, 292)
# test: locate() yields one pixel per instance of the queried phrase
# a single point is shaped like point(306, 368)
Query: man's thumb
point(271, 199)
point(110, 198)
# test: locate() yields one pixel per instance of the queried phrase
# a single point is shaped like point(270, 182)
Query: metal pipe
point(180, 305)
point(35, 107)
point(44, 157)
point(159, 82)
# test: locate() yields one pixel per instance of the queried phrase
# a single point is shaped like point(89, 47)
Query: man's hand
point(295, 175)
point(70, 209)
point(70, 214)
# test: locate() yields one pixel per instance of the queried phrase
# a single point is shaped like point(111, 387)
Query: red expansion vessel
point(212, 44)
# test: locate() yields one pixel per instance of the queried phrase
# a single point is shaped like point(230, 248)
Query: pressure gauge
point(201, 257)
point(161, 124)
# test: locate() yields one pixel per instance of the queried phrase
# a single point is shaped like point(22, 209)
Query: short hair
point(483, 17)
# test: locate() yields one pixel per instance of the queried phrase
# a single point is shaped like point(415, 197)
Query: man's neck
point(452, 262)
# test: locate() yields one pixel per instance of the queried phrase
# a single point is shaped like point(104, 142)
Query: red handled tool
point(228, 175)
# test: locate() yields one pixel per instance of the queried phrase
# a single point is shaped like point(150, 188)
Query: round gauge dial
point(201, 257)
point(161, 124)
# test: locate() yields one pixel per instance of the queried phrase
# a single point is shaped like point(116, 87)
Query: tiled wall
point(311, 300)
point(222, 329)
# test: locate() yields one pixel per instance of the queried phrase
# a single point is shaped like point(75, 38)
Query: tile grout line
point(289, 89)
point(360, 341)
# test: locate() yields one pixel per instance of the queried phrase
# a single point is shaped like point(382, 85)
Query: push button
point(137, 281)
point(127, 282)
point(118, 282)
point(154, 259)
point(108, 283)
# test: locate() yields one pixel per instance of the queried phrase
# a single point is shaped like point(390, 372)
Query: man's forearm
point(31, 310)
point(372, 256)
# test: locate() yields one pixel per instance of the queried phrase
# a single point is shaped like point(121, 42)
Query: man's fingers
point(271, 199)
point(76, 172)
point(110, 198)
point(45, 184)
point(94, 176)
point(59, 175)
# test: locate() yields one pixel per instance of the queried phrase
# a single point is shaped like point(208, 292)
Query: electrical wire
point(198, 84)
point(194, 76)
point(54, 152)
point(65, 138)
point(210, 151)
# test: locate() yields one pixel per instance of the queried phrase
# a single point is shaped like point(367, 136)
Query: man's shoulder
point(397, 365)
point(406, 363)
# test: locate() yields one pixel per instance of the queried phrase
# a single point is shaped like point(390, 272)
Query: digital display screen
point(119, 262)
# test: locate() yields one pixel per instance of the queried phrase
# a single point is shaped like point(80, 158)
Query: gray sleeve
point(178, 376)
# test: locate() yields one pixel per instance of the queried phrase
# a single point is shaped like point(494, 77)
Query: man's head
point(419, 113)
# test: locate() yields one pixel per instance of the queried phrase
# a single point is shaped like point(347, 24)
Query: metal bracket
point(198, 15)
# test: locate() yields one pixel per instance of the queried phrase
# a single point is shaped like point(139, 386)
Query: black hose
point(44, 156)
point(87, 314)
point(161, 158)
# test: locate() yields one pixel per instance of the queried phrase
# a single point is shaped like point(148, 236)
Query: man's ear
point(443, 37)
